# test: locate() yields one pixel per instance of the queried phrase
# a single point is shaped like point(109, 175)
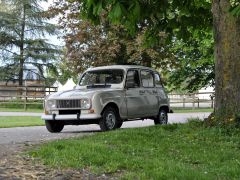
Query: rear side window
point(147, 78)
point(157, 78)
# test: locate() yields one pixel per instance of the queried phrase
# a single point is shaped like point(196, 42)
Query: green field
point(178, 151)
point(20, 110)
point(20, 121)
point(190, 110)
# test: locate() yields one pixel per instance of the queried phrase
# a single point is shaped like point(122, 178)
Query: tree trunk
point(21, 58)
point(227, 62)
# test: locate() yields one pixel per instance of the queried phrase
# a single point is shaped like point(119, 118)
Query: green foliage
point(235, 9)
point(195, 65)
point(104, 44)
point(170, 16)
point(62, 71)
point(187, 29)
point(23, 27)
point(177, 151)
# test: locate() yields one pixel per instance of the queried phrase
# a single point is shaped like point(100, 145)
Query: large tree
point(181, 18)
point(227, 60)
point(103, 44)
point(89, 44)
point(23, 28)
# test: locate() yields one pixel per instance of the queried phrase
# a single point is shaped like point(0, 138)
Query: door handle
point(141, 91)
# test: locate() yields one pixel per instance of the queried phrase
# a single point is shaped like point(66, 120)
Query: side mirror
point(130, 84)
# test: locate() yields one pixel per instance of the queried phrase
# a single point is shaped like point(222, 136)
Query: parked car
point(108, 96)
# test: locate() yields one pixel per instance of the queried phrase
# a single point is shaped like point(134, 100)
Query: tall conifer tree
point(23, 28)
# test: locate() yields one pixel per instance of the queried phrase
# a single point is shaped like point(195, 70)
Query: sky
point(52, 39)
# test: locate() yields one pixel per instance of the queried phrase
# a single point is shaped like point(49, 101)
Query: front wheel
point(54, 126)
point(110, 119)
point(162, 117)
point(119, 125)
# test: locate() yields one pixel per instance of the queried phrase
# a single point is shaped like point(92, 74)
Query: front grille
point(70, 103)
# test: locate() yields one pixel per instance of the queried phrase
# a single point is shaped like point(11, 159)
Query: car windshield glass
point(102, 77)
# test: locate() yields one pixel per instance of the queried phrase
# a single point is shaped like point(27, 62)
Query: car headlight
point(50, 104)
point(85, 103)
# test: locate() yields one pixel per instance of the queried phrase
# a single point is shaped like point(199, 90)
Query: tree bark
point(21, 60)
point(227, 62)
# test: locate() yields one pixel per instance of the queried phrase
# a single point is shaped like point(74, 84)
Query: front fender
point(102, 99)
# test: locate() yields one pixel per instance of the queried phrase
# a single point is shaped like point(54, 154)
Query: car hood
point(78, 93)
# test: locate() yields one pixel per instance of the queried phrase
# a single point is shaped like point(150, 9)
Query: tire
point(54, 126)
point(119, 125)
point(110, 119)
point(162, 117)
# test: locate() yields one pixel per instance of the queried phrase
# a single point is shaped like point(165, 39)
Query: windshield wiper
point(98, 86)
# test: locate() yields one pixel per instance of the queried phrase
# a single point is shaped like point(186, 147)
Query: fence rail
point(192, 100)
point(24, 95)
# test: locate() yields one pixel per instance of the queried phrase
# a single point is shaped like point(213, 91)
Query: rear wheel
point(110, 119)
point(54, 126)
point(162, 117)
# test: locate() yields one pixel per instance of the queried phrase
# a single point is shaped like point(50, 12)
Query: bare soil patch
point(15, 165)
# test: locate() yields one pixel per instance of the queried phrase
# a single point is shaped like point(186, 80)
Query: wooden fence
point(192, 100)
point(33, 95)
point(24, 95)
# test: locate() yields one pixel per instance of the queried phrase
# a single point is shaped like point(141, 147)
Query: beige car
point(108, 96)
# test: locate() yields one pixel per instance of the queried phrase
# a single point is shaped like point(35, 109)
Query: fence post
point(25, 99)
point(193, 107)
point(198, 102)
point(212, 101)
point(183, 101)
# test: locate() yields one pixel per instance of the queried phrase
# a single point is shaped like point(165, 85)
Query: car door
point(161, 94)
point(134, 100)
point(149, 93)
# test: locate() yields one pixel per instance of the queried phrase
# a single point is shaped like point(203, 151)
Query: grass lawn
point(178, 151)
point(20, 110)
point(192, 110)
point(20, 121)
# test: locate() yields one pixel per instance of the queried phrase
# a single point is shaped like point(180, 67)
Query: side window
point(147, 78)
point(157, 80)
point(133, 78)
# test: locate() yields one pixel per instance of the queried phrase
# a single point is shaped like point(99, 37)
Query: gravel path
point(14, 141)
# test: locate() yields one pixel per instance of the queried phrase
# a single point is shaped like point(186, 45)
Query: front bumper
point(71, 117)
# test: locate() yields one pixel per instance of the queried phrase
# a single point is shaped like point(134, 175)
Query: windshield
point(102, 77)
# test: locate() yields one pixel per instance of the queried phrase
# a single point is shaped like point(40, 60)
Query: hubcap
point(110, 120)
point(163, 118)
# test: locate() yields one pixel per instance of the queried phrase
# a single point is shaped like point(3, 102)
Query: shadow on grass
point(84, 131)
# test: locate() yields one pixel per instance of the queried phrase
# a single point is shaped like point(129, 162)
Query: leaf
point(136, 10)
point(115, 13)
point(90, 3)
point(235, 10)
point(98, 8)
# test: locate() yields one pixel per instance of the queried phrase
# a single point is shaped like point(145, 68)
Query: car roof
point(125, 67)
